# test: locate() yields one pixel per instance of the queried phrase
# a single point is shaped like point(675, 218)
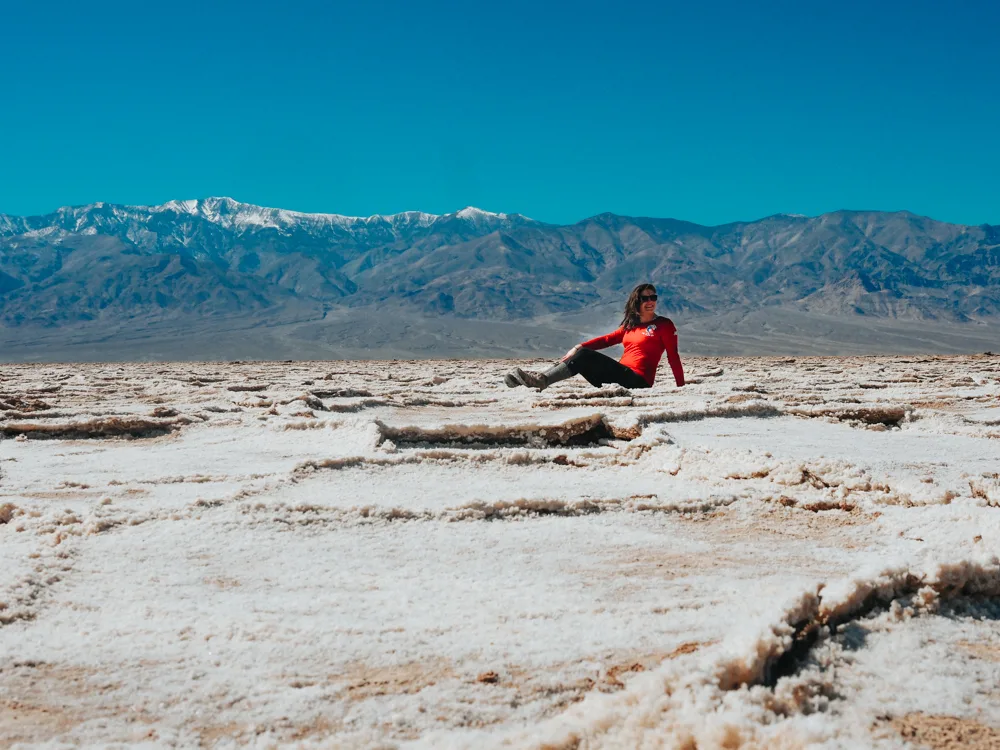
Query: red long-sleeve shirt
point(643, 348)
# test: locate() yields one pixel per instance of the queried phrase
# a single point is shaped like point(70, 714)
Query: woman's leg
point(517, 377)
point(598, 369)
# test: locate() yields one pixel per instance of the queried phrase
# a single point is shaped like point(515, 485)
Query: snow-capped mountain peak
point(471, 212)
point(232, 215)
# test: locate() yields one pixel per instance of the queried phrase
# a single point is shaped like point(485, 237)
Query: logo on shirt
point(650, 330)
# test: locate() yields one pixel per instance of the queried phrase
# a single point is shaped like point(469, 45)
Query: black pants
point(598, 369)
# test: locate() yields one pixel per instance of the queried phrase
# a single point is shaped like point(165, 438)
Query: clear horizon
point(715, 114)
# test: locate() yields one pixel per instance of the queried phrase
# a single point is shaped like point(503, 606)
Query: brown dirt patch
point(63, 494)
point(612, 679)
point(48, 700)
point(946, 732)
point(25, 721)
point(629, 568)
point(241, 732)
point(987, 651)
point(364, 681)
point(687, 648)
point(740, 398)
point(787, 518)
point(937, 404)
point(44, 703)
point(728, 536)
point(222, 582)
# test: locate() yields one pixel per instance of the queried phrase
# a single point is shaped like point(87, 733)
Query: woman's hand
point(570, 353)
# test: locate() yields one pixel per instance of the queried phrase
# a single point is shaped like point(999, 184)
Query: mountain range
point(112, 274)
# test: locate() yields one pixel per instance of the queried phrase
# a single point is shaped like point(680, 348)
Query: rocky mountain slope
point(197, 261)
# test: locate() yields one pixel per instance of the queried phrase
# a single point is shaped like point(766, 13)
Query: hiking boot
point(529, 379)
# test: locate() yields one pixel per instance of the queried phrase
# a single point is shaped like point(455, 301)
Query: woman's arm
point(669, 338)
point(603, 342)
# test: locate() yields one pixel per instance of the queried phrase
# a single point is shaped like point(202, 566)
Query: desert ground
point(784, 553)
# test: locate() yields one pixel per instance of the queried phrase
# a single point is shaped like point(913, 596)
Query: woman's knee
point(584, 355)
point(579, 359)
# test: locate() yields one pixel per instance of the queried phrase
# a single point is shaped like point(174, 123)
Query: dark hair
point(631, 318)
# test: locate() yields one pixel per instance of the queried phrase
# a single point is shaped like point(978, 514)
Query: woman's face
point(647, 302)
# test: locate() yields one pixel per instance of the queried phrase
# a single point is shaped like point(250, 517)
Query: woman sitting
point(645, 335)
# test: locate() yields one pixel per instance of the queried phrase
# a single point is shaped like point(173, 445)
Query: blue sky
point(708, 111)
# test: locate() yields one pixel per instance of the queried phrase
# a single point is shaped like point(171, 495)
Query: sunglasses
point(647, 298)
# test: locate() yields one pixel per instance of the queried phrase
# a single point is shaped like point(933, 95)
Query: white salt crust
point(355, 554)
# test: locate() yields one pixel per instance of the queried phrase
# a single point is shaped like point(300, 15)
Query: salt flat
point(785, 553)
